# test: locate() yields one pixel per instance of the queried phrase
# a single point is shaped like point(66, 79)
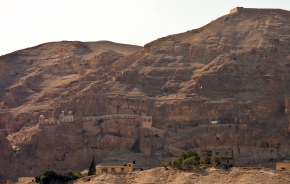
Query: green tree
point(51, 176)
point(190, 156)
point(191, 153)
point(47, 177)
point(177, 164)
point(92, 169)
point(74, 174)
point(37, 178)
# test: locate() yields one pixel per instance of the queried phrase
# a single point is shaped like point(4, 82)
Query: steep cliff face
point(234, 70)
point(6, 159)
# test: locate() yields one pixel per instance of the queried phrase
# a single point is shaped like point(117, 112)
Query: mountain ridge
point(234, 69)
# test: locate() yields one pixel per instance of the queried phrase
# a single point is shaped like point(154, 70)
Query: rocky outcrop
point(6, 159)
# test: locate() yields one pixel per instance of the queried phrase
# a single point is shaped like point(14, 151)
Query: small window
point(228, 161)
point(283, 169)
point(122, 170)
point(129, 165)
point(217, 153)
point(227, 153)
point(104, 170)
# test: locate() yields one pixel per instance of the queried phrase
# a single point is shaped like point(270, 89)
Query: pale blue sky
point(26, 23)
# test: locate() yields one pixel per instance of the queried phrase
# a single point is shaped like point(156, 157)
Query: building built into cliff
point(63, 118)
point(91, 123)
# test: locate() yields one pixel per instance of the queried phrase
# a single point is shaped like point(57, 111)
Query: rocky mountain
point(233, 71)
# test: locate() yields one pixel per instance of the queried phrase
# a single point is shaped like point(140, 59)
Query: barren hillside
point(234, 69)
point(199, 176)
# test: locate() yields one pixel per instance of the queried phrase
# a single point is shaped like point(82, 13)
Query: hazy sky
point(26, 23)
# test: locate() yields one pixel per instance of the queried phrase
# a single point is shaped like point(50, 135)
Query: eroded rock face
point(235, 70)
point(6, 159)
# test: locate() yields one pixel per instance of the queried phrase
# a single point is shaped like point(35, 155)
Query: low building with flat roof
point(28, 179)
point(226, 155)
point(129, 167)
point(283, 166)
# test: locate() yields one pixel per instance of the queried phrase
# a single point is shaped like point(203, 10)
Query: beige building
point(26, 179)
point(66, 118)
point(63, 118)
point(282, 166)
point(146, 121)
point(226, 155)
point(129, 167)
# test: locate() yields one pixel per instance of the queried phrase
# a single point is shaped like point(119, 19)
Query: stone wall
point(188, 130)
point(111, 116)
point(49, 129)
point(208, 127)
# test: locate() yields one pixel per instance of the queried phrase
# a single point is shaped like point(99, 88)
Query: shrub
point(189, 162)
point(215, 160)
point(74, 175)
point(47, 177)
point(164, 164)
point(190, 156)
point(176, 164)
point(51, 176)
point(191, 153)
point(204, 161)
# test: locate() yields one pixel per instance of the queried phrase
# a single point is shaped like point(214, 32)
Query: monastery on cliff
point(90, 123)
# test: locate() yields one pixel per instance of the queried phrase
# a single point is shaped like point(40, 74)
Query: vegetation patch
point(51, 176)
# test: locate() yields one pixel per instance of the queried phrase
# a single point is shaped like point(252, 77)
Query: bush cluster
point(184, 161)
point(215, 160)
point(51, 176)
point(190, 158)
